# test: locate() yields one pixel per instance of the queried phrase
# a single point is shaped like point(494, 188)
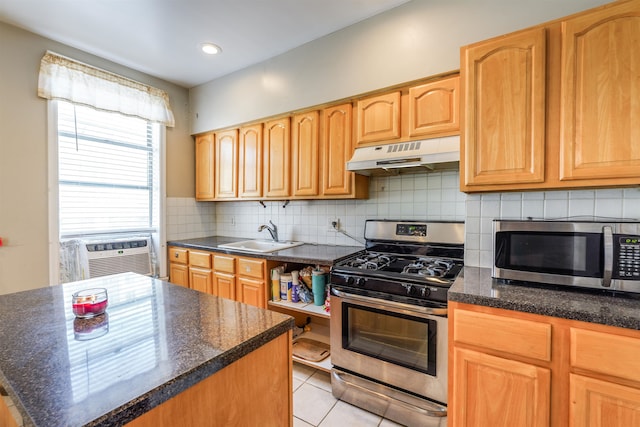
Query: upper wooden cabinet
point(277, 158)
point(205, 155)
point(434, 108)
point(337, 149)
point(599, 102)
point(226, 165)
point(305, 152)
point(378, 118)
point(250, 161)
point(504, 110)
point(554, 107)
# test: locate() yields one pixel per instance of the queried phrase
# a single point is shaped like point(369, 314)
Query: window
point(108, 172)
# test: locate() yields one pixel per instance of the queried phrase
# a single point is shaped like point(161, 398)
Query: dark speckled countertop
point(161, 340)
point(476, 286)
point(305, 254)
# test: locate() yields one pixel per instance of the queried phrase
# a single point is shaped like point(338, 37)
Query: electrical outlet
point(334, 224)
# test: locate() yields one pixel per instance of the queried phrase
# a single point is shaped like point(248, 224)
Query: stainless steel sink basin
point(260, 246)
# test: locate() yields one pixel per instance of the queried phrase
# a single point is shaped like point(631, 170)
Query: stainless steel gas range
point(389, 320)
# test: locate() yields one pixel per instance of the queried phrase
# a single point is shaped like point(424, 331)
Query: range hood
point(407, 157)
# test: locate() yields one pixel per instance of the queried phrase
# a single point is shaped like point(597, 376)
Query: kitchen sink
point(260, 246)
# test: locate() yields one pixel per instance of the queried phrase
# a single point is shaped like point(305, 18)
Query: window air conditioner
point(114, 256)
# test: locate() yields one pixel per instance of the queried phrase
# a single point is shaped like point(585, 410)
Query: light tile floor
point(314, 405)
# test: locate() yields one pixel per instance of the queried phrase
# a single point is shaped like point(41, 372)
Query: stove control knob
point(350, 280)
point(361, 281)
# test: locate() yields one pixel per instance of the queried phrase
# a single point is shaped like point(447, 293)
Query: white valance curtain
point(66, 79)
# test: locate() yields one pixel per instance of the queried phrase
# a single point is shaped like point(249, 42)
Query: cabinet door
point(434, 108)
point(305, 159)
point(201, 279)
point(179, 274)
point(597, 403)
point(251, 291)
point(277, 158)
point(250, 161)
point(337, 149)
point(227, 164)
point(503, 134)
point(224, 285)
point(600, 92)
point(497, 392)
point(378, 118)
point(205, 167)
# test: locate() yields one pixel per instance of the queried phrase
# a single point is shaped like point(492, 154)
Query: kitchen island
point(162, 355)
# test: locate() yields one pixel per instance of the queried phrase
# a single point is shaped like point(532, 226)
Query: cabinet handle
point(176, 255)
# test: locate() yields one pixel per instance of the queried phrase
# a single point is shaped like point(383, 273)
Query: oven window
point(396, 338)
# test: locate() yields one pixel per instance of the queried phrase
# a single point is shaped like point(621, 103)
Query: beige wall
point(23, 154)
point(416, 40)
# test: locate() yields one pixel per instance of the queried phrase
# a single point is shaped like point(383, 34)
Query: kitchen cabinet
point(224, 280)
point(277, 158)
point(378, 118)
point(205, 155)
point(226, 161)
point(250, 161)
point(337, 149)
point(551, 107)
point(599, 91)
point(503, 138)
point(200, 273)
point(305, 153)
point(434, 108)
point(252, 281)
point(178, 266)
point(511, 368)
point(233, 277)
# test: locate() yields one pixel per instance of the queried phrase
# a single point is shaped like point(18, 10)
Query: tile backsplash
point(579, 204)
point(433, 196)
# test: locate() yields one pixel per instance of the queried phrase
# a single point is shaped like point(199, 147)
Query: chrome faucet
point(273, 230)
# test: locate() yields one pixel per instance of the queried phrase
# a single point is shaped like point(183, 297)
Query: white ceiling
point(162, 37)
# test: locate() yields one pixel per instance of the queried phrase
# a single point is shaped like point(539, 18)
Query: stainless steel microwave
point(590, 254)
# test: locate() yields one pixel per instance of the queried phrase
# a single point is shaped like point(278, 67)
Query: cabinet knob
point(176, 255)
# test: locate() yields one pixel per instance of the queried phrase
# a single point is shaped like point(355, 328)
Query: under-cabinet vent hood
point(414, 156)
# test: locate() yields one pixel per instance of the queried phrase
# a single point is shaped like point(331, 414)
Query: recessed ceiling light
point(211, 49)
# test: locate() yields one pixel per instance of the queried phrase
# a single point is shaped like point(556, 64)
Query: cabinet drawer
point(605, 353)
point(200, 259)
point(251, 268)
point(515, 336)
point(178, 255)
point(224, 263)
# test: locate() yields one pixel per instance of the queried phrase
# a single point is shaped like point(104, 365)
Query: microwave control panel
point(628, 254)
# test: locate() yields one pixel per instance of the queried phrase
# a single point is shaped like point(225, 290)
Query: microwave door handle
point(608, 256)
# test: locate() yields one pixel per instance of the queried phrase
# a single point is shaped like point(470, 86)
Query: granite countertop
point(306, 254)
point(476, 286)
point(161, 340)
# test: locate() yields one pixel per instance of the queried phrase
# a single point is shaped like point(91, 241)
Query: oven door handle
point(434, 411)
point(391, 304)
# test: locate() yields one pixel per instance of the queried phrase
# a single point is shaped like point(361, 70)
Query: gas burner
point(429, 267)
point(370, 261)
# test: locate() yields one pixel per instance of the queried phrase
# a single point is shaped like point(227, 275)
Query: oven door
point(401, 345)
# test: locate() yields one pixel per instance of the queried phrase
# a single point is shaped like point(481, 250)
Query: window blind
point(106, 178)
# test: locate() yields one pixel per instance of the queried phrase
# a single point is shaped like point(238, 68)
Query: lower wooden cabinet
point(494, 391)
point(508, 368)
point(238, 278)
